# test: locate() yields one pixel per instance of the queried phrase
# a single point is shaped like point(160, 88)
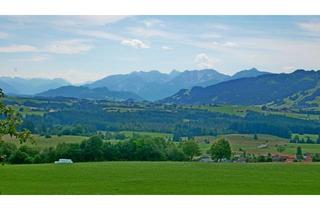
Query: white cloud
point(34, 58)
point(102, 35)
point(224, 44)
point(3, 35)
point(147, 32)
point(65, 22)
point(203, 61)
point(166, 48)
point(153, 22)
point(136, 43)
point(17, 49)
point(100, 19)
point(219, 26)
point(310, 26)
point(73, 46)
point(39, 58)
point(210, 35)
point(229, 44)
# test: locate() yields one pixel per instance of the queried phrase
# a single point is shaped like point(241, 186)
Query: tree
point(281, 148)
point(299, 155)
point(316, 157)
point(296, 139)
point(175, 153)
point(190, 148)
point(220, 149)
point(6, 150)
point(318, 139)
point(10, 121)
point(309, 141)
point(19, 157)
point(92, 149)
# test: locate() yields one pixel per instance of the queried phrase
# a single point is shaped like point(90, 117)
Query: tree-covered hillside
point(250, 91)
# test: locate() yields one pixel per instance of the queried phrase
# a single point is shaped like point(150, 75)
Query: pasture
point(149, 178)
point(41, 142)
point(246, 142)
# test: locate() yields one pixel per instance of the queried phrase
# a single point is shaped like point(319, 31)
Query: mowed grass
point(41, 142)
point(148, 178)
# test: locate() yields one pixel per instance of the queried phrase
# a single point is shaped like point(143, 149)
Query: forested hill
point(87, 93)
point(250, 91)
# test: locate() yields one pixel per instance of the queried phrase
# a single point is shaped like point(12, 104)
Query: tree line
point(137, 148)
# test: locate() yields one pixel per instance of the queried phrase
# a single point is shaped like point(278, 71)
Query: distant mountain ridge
point(87, 93)
point(22, 86)
point(253, 72)
point(258, 90)
point(155, 85)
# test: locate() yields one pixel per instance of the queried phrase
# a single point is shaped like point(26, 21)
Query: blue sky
point(86, 48)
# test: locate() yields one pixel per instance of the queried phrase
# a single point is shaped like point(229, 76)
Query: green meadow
point(42, 142)
point(149, 178)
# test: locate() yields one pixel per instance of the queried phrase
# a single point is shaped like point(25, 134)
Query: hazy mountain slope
point(7, 89)
point(203, 78)
point(87, 93)
point(248, 73)
point(155, 85)
point(249, 91)
point(32, 86)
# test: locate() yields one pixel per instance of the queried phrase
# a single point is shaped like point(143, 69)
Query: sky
point(86, 48)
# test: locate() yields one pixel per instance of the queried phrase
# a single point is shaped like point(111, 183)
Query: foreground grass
point(160, 178)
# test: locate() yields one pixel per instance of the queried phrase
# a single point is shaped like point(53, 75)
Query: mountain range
point(155, 85)
point(300, 89)
point(22, 86)
point(267, 88)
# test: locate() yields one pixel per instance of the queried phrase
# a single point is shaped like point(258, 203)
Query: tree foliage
point(190, 148)
point(220, 149)
point(299, 155)
point(10, 120)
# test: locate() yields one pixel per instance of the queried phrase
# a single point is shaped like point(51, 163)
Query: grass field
point(152, 134)
point(42, 142)
point(160, 178)
point(250, 145)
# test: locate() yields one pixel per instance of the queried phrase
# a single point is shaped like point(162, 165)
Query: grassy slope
point(171, 178)
point(241, 111)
